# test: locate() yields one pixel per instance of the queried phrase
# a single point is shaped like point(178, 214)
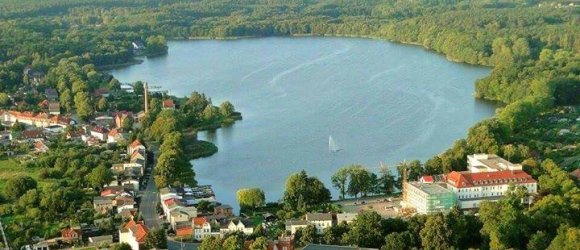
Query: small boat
point(332, 146)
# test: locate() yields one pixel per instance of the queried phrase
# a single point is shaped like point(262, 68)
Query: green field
point(11, 167)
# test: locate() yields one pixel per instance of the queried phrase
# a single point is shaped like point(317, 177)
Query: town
point(451, 124)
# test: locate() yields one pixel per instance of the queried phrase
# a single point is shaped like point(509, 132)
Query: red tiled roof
point(168, 103)
point(468, 179)
point(427, 179)
point(138, 229)
point(186, 231)
point(100, 129)
point(199, 221)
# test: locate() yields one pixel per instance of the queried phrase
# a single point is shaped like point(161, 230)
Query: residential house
point(101, 92)
point(103, 204)
point(345, 217)
point(293, 225)
point(182, 214)
point(71, 234)
point(40, 147)
point(51, 94)
point(135, 146)
point(131, 182)
point(31, 135)
point(134, 234)
point(202, 228)
point(100, 133)
point(121, 116)
point(124, 202)
point(115, 136)
point(34, 119)
point(103, 240)
point(168, 104)
point(320, 220)
point(223, 210)
point(237, 225)
point(128, 213)
point(128, 168)
point(54, 108)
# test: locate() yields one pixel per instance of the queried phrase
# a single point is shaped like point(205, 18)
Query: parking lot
point(386, 207)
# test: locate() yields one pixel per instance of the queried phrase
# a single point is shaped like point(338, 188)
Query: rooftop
point(430, 188)
point(469, 179)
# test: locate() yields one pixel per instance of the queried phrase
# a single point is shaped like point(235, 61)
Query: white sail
point(332, 146)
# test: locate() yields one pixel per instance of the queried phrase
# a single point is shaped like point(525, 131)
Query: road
point(150, 196)
point(149, 201)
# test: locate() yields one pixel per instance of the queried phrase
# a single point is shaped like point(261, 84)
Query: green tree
point(127, 124)
point(366, 230)
point(121, 246)
point(333, 235)
point(303, 192)
point(83, 105)
point(386, 182)
point(210, 113)
point(102, 104)
point(211, 243)
point(339, 180)
point(233, 242)
point(138, 88)
point(251, 198)
point(261, 243)
point(436, 234)
point(157, 239)
point(307, 235)
point(360, 181)
point(396, 241)
point(505, 225)
point(99, 176)
point(568, 238)
point(66, 100)
point(227, 109)
point(17, 186)
point(4, 99)
point(539, 241)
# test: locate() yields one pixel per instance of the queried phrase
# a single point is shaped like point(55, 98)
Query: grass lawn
point(10, 167)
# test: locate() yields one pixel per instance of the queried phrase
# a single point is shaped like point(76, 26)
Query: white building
point(202, 228)
point(320, 220)
point(293, 225)
point(245, 227)
point(134, 234)
point(489, 163)
point(473, 188)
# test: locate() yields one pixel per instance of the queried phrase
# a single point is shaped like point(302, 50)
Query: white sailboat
point(332, 146)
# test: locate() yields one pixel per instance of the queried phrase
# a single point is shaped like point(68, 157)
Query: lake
point(380, 102)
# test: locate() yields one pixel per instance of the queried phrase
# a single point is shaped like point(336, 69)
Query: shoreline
point(418, 44)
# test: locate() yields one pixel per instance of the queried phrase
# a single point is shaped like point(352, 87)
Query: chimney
point(146, 95)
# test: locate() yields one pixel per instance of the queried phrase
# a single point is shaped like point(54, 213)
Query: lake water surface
point(379, 101)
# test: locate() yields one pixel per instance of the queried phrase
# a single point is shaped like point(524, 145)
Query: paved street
point(150, 197)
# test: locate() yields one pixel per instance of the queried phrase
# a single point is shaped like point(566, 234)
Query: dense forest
point(532, 45)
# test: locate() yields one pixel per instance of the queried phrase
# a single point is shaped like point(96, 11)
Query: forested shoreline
point(533, 47)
